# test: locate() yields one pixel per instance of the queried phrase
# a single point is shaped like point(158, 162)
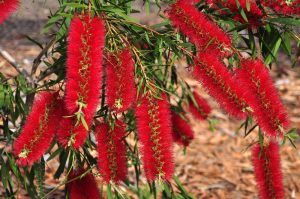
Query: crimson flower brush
point(198, 28)
point(82, 187)
point(253, 14)
point(120, 85)
point(266, 104)
point(84, 65)
point(266, 162)
point(155, 134)
point(6, 8)
point(112, 161)
point(220, 84)
point(201, 110)
point(282, 6)
point(39, 129)
point(182, 131)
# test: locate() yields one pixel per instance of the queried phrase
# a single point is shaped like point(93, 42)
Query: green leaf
point(248, 5)
point(167, 190)
point(62, 163)
point(242, 12)
point(84, 123)
point(292, 134)
point(109, 192)
point(286, 21)
point(274, 51)
point(54, 154)
point(50, 23)
point(75, 5)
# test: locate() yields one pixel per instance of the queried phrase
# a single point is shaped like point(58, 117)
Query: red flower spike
point(155, 134)
point(182, 131)
point(84, 65)
point(6, 8)
point(83, 187)
point(120, 85)
point(72, 133)
point(39, 129)
point(266, 104)
point(112, 161)
point(201, 112)
point(201, 31)
point(254, 15)
point(220, 84)
point(282, 6)
point(266, 162)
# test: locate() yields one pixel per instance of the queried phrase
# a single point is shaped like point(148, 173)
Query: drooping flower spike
point(6, 8)
point(120, 85)
point(84, 65)
point(82, 187)
point(39, 129)
point(282, 6)
point(268, 109)
point(206, 35)
point(112, 161)
point(252, 11)
point(220, 84)
point(202, 109)
point(155, 135)
point(182, 131)
point(267, 170)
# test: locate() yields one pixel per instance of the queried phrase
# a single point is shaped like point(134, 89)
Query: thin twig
point(66, 181)
point(37, 60)
point(14, 64)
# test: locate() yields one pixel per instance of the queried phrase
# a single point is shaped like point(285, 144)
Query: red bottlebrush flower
point(282, 6)
point(220, 84)
point(112, 161)
point(182, 131)
point(155, 134)
point(201, 31)
point(6, 8)
point(201, 112)
point(266, 162)
point(39, 129)
point(120, 84)
point(84, 65)
point(72, 133)
point(83, 187)
point(266, 104)
point(254, 14)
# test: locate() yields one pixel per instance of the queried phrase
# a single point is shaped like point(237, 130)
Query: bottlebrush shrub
point(253, 14)
point(182, 131)
point(82, 185)
point(201, 110)
point(120, 85)
point(112, 161)
point(84, 65)
point(266, 162)
point(282, 6)
point(155, 135)
point(39, 129)
point(156, 47)
point(268, 109)
point(6, 8)
point(220, 84)
point(198, 28)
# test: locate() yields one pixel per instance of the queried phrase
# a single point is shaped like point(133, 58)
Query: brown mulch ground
point(217, 164)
